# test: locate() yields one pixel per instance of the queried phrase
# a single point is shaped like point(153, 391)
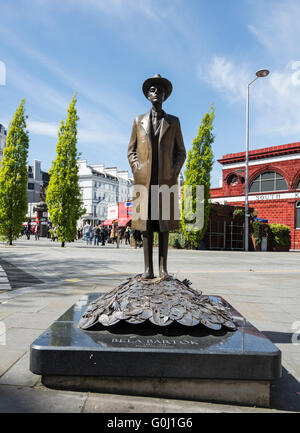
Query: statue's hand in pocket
point(137, 165)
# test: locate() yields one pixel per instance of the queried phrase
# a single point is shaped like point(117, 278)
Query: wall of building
point(102, 187)
point(37, 182)
point(276, 206)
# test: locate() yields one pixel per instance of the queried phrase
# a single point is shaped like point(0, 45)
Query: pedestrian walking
point(87, 229)
point(96, 235)
point(28, 229)
point(127, 236)
point(112, 234)
point(137, 239)
point(120, 234)
point(103, 235)
point(36, 232)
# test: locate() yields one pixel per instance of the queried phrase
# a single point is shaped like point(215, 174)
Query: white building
point(3, 135)
point(38, 181)
point(102, 187)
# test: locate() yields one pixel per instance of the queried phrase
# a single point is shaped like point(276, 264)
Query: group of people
point(30, 229)
point(100, 234)
point(97, 234)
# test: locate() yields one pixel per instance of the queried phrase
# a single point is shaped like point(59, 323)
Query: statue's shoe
point(163, 274)
point(148, 275)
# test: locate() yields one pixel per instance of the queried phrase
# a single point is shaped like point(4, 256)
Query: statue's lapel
point(145, 122)
point(164, 127)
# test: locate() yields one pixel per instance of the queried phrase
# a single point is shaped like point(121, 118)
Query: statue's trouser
point(163, 242)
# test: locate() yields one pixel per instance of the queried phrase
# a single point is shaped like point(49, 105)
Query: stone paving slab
point(8, 358)
point(19, 374)
point(104, 403)
point(20, 338)
point(40, 320)
point(109, 403)
point(29, 400)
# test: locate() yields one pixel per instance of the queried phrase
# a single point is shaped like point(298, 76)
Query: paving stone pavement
point(45, 280)
point(4, 282)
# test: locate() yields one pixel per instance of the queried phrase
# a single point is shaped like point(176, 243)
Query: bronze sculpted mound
point(159, 300)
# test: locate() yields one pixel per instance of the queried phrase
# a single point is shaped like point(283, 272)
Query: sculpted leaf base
point(159, 300)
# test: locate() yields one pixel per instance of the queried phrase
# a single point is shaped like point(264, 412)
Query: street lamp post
point(259, 74)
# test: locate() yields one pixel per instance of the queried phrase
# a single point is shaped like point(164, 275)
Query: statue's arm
point(180, 149)
point(132, 148)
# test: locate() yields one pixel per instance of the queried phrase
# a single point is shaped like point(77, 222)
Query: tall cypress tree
point(13, 178)
point(198, 168)
point(63, 193)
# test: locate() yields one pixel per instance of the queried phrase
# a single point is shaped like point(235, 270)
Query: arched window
point(268, 181)
point(298, 184)
point(232, 180)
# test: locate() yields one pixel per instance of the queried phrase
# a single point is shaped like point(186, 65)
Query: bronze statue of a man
point(156, 154)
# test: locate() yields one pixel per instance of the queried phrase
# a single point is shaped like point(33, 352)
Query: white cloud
point(226, 77)
point(123, 8)
point(111, 100)
point(275, 100)
point(42, 128)
point(101, 123)
point(279, 102)
point(276, 26)
point(260, 36)
point(87, 135)
point(32, 87)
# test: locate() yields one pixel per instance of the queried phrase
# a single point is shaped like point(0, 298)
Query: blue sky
point(105, 49)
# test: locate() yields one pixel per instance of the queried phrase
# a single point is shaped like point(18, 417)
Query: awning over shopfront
point(122, 222)
point(107, 223)
point(262, 220)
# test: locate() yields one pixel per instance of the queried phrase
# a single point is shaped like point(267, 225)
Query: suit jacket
point(171, 157)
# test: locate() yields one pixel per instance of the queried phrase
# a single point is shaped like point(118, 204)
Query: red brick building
point(274, 185)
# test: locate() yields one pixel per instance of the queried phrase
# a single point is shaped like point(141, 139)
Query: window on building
point(30, 185)
point(297, 222)
point(29, 172)
point(298, 184)
point(268, 181)
point(232, 180)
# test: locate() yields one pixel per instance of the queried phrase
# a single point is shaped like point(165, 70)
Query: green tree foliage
point(198, 168)
point(281, 234)
point(63, 193)
point(13, 178)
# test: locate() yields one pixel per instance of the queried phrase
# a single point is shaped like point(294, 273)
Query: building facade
point(37, 184)
point(101, 188)
point(3, 135)
point(274, 185)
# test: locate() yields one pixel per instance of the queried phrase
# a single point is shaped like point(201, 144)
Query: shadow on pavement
point(278, 337)
point(285, 393)
point(17, 277)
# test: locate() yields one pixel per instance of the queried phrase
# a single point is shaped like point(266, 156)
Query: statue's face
point(156, 93)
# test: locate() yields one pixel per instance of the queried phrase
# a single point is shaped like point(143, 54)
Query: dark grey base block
point(115, 355)
point(240, 392)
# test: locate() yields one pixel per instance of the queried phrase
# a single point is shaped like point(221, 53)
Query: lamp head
point(262, 73)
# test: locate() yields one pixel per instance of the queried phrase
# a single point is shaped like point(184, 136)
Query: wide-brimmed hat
point(157, 79)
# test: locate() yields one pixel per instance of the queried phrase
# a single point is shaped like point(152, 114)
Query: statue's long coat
point(171, 157)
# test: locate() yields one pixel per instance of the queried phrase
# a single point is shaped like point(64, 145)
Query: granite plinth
point(112, 357)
